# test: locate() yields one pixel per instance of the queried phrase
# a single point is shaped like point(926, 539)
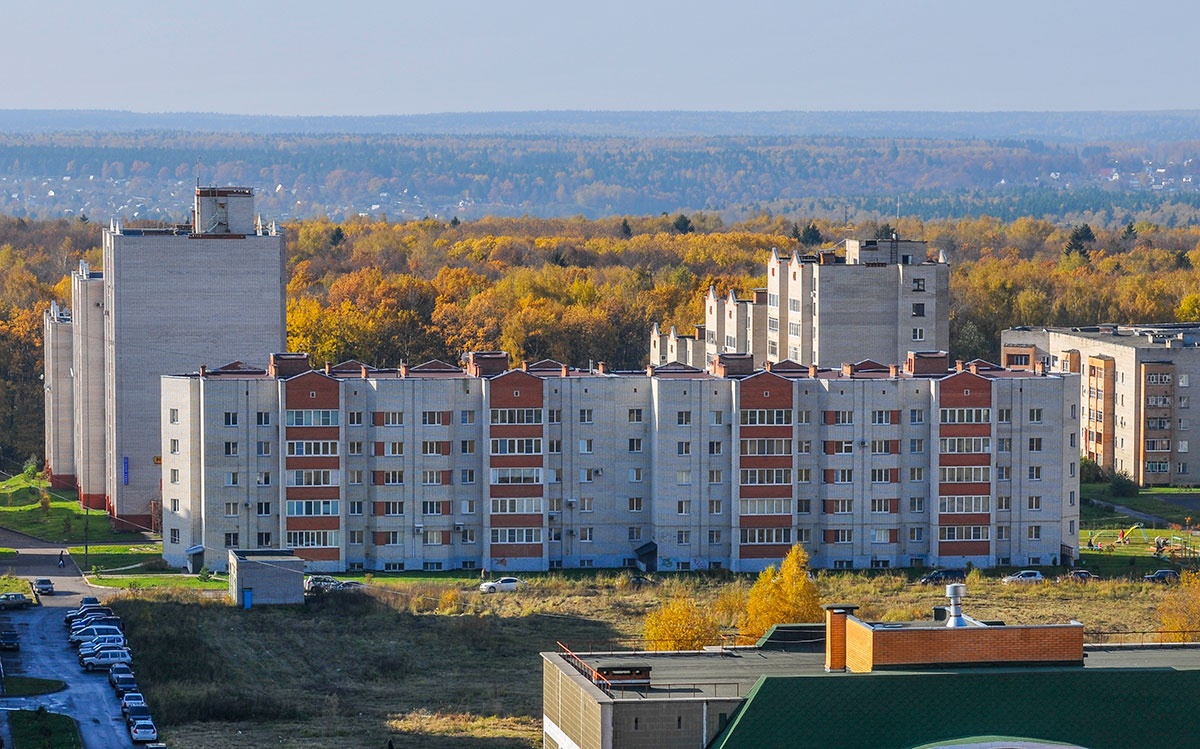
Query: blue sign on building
point(126, 471)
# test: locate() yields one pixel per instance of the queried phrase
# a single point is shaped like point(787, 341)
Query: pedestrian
point(61, 561)
point(483, 575)
point(390, 745)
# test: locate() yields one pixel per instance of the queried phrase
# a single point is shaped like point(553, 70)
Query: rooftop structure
point(546, 466)
point(1135, 386)
point(168, 299)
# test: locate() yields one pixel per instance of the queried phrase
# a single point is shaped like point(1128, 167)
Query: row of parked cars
point(96, 632)
point(945, 577)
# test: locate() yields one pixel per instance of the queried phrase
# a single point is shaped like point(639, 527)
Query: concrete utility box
point(265, 577)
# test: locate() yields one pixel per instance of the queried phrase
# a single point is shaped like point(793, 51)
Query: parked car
point(124, 685)
point(15, 601)
point(104, 659)
point(943, 577)
point(43, 586)
point(130, 699)
point(118, 640)
point(88, 601)
point(136, 713)
point(1162, 576)
point(83, 612)
point(641, 581)
point(504, 584)
point(90, 633)
point(320, 583)
point(1079, 576)
point(93, 621)
point(10, 640)
point(350, 585)
point(143, 731)
point(1024, 576)
point(93, 648)
point(117, 671)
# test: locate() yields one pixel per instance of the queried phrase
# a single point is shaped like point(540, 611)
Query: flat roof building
point(1135, 392)
point(168, 299)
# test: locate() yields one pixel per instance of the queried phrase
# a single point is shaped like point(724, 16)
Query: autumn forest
point(582, 290)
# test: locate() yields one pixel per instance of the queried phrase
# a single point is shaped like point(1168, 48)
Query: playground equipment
point(1164, 543)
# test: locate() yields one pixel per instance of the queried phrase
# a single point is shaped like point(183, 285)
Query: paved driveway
point(44, 653)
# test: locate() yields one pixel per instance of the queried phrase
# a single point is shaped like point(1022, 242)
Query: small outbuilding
point(265, 577)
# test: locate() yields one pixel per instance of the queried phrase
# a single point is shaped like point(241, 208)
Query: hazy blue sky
point(308, 57)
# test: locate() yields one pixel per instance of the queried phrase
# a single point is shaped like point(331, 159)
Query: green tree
point(1077, 243)
point(1189, 308)
point(1129, 234)
point(811, 235)
point(884, 231)
point(626, 230)
point(683, 224)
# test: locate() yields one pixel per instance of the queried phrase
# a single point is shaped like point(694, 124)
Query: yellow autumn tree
point(781, 596)
point(680, 624)
point(1180, 610)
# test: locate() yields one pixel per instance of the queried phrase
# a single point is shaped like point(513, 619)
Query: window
point(554, 447)
point(683, 418)
point(969, 503)
point(263, 478)
point(683, 537)
point(965, 444)
point(765, 417)
point(467, 447)
point(635, 504)
point(843, 447)
point(1003, 503)
point(1035, 503)
point(393, 508)
point(635, 444)
point(467, 507)
point(431, 508)
point(587, 475)
point(312, 507)
point(715, 507)
point(1003, 473)
point(354, 477)
point(1003, 444)
point(881, 417)
point(635, 416)
point(635, 475)
point(964, 532)
point(1002, 532)
point(231, 539)
point(585, 447)
point(773, 301)
point(173, 415)
point(683, 448)
point(466, 417)
point(803, 447)
point(764, 506)
point(586, 504)
point(634, 533)
point(231, 449)
point(516, 476)
point(843, 536)
point(232, 479)
point(964, 474)
point(1035, 473)
point(301, 539)
point(174, 535)
point(468, 536)
point(354, 448)
point(585, 416)
point(881, 505)
point(881, 447)
point(321, 447)
point(714, 537)
point(916, 416)
point(355, 507)
point(683, 478)
point(918, 284)
point(516, 416)
point(312, 418)
point(554, 416)
point(716, 447)
point(803, 475)
point(966, 415)
point(435, 418)
point(586, 534)
point(354, 538)
point(521, 446)
point(435, 447)
point(881, 475)
point(683, 507)
point(774, 476)
point(393, 478)
point(264, 540)
point(174, 504)
point(916, 446)
point(716, 418)
point(916, 504)
point(466, 476)
point(231, 509)
point(1035, 416)
point(516, 506)
point(174, 475)
point(313, 477)
point(773, 324)
point(881, 536)
point(1004, 415)
point(231, 418)
point(918, 334)
point(918, 309)
point(916, 534)
point(843, 476)
point(843, 417)
point(354, 418)
point(1035, 533)
point(766, 535)
point(174, 450)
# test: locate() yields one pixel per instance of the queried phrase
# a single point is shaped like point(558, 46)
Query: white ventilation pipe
point(955, 593)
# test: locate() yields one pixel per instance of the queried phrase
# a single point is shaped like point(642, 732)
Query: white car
point(102, 641)
point(129, 699)
point(143, 730)
point(504, 584)
point(1024, 576)
point(104, 659)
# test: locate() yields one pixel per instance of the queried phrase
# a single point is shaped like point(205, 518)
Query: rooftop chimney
point(203, 370)
point(959, 365)
point(363, 370)
point(602, 368)
point(768, 365)
point(566, 371)
point(404, 370)
point(649, 370)
point(812, 370)
point(955, 593)
point(329, 368)
point(894, 370)
point(524, 366)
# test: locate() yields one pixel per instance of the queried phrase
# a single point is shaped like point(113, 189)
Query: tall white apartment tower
point(207, 292)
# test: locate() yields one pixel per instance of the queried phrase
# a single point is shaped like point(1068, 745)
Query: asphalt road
point(44, 652)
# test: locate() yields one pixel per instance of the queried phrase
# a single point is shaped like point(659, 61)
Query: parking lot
point(44, 652)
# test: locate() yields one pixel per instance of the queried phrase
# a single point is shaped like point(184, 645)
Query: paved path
point(1145, 517)
point(44, 652)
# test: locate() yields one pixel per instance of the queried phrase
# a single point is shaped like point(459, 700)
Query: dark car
point(136, 713)
point(110, 620)
point(1078, 576)
point(10, 640)
point(15, 601)
point(641, 581)
point(1162, 576)
point(943, 577)
point(124, 684)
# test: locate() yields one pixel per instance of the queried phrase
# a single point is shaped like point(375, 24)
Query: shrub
point(1090, 471)
point(680, 625)
point(450, 601)
point(1180, 610)
point(782, 597)
point(205, 575)
point(1121, 485)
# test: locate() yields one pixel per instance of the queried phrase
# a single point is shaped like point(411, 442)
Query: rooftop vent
point(955, 593)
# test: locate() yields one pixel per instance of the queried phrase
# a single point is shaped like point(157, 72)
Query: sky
point(305, 57)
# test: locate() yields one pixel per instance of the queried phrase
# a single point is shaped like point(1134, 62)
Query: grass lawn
point(430, 663)
point(38, 728)
point(14, 584)
point(7, 554)
point(63, 522)
point(28, 686)
point(118, 580)
point(1151, 501)
point(108, 557)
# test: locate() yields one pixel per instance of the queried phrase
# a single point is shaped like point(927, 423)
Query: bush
point(1090, 472)
point(680, 625)
point(1121, 485)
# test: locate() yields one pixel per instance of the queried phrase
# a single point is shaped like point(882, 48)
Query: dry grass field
point(435, 664)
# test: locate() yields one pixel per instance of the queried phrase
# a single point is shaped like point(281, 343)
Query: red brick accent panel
point(446, 507)
point(964, 459)
point(516, 389)
point(765, 431)
point(311, 390)
point(445, 538)
point(894, 476)
point(500, 551)
point(893, 535)
point(952, 391)
point(965, 518)
point(444, 447)
point(964, 548)
point(868, 649)
point(310, 433)
point(446, 417)
point(829, 475)
point(894, 417)
point(515, 490)
point(516, 430)
point(830, 417)
point(447, 480)
point(973, 489)
point(893, 506)
point(379, 449)
point(517, 520)
point(312, 524)
point(378, 509)
point(766, 461)
point(964, 430)
point(766, 390)
point(62, 481)
point(515, 461)
point(377, 418)
point(313, 492)
point(894, 447)
point(835, 640)
point(311, 462)
point(830, 535)
point(763, 551)
point(829, 506)
point(92, 501)
point(765, 492)
point(381, 537)
point(829, 446)
point(377, 478)
point(764, 521)
point(319, 555)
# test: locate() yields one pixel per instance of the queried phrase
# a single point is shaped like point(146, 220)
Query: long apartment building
point(167, 299)
point(1134, 389)
point(672, 468)
point(878, 300)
